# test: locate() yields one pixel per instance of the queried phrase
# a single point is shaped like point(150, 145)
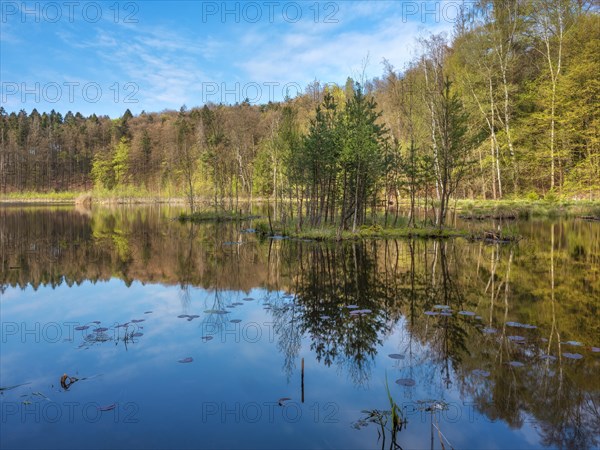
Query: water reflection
point(494, 326)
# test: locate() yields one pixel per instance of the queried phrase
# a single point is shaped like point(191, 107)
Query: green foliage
point(102, 172)
point(120, 162)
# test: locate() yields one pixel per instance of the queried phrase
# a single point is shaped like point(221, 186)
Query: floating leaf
point(237, 303)
point(235, 321)
point(97, 322)
point(406, 382)
point(100, 330)
point(595, 349)
point(528, 326)
point(123, 325)
point(182, 316)
point(431, 313)
point(516, 364)
point(573, 343)
point(189, 359)
point(8, 388)
point(248, 299)
point(514, 324)
point(138, 334)
point(137, 320)
point(518, 339)
point(478, 317)
point(572, 355)
point(466, 313)
point(396, 356)
point(83, 327)
point(446, 314)
point(481, 373)
point(207, 338)
point(107, 408)
point(282, 400)
point(216, 311)
point(441, 307)
point(148, 312)
point(193, 316)
point(352, 306)
point(548, 357)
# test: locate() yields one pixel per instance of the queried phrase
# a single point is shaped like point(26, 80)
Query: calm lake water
point(203, 336)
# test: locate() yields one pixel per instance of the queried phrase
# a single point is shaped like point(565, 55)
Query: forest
point(507, 106)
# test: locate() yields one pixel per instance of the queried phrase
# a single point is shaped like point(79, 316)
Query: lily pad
point(518, 339)
point(446, 314)
point(216, 311)
point(83, 327)
point(189, 359)
point(8, 388)
point(97, 322)
point(514, 324)
point(595, 349)
point(481, 373)
point(282, 400)
point(148, 312)
point(100, 330)
point(431, 313)
point(137, 320)
point(396, 356)
point(406, 382)
point(207, 338)
point(235, 321)
point(548, 357)
point(107, 408)
point(574, 343)
point(441, 307)
point(138, 334)
point(352, 306)
point(572, 355)
point(248, 299)
point(237, 303)
point(516, 364)
point(466, 313)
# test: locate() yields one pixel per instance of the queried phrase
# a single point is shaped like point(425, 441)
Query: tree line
point(507, 106)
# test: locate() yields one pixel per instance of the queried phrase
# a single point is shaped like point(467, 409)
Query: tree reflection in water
point(548, 285)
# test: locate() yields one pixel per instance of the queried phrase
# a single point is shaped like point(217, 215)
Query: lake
point(123, 328)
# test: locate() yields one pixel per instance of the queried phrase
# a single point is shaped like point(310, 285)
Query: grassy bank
point(40, 197)
point(211, 216)
point(524, 209)
point(468, 209)
point(331, 233)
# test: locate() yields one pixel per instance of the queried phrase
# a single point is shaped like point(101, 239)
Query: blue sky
point(104, 57)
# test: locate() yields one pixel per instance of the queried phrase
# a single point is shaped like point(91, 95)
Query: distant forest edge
point(508, 107)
